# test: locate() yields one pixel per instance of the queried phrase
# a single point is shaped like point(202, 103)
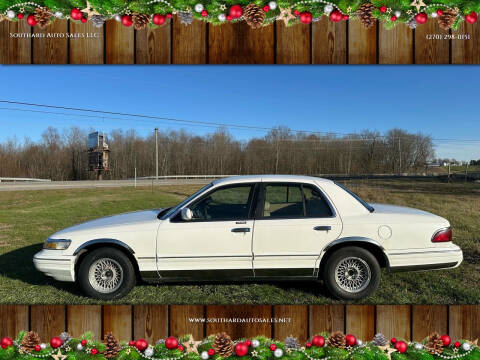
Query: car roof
point(266, 178)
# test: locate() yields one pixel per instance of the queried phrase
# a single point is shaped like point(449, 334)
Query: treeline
point(63, 156)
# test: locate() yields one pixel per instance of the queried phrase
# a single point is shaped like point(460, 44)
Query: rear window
point(358, 198)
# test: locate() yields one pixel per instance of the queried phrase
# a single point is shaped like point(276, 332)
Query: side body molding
point(103, 241)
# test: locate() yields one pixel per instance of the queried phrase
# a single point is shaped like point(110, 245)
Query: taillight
point(443, 235)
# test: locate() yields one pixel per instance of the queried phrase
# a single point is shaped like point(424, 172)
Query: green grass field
point(27, 218)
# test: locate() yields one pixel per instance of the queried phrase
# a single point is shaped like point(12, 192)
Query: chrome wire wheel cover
point(352, 274)
point(105, 275)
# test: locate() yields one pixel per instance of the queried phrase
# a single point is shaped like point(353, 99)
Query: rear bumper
point(53, 263)
point(428, 259)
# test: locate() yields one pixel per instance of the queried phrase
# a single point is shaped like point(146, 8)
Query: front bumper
point(53, 263)
point(425, 259)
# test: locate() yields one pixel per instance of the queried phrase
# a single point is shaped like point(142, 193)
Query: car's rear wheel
point(351, 273)
point(106, 274)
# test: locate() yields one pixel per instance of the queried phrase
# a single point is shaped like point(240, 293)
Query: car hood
point(130, 218)
point(389, 210)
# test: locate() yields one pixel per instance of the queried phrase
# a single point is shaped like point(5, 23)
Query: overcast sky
point(440, 101)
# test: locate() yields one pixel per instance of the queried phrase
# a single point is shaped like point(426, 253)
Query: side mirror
point(187, 214)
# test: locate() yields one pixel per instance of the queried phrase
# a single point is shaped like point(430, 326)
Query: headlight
point(57, 244)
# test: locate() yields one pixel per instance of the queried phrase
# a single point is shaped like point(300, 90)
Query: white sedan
point(253, 227)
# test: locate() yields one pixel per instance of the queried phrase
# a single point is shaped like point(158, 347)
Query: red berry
point(169, 16)
point(131, 343)
point(296, 12)
point(229, 18)
point(204, 13)
point(159, 19)
point(38, 348)
point(273, 347)
point(393, 340)
point(31, 20)
point(401, 346)
point(248, 342)
point(6, 342)
point(383, 9)
point(84, 342)
point(439, 12)
point(20, 16)
point(94, 351)
point(393, 18)
point(345, 17)
point(211, 352)
point(308, 345)
point(76, 14)
point(4, 346)
point(456, 344)
point(84, 20)
point(266, 8)
point(181, 348)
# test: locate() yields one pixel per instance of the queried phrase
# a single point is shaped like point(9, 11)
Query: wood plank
point(118, 320)
point(150, 322)
point(153, 46)
point(394, 321)
point(235, 329)
point(294, 44)
point(329, 42)
point(83, 318)
point(463, 322)
point(360, 321)
point(189, 42)
point(52, 47)
point(47, 320)
point(428, 51)
point(238, 43)
point(180, 320)
point(13, 319)
point(326, 318)
point(466, 51)
point(15, 50)
point(86, 46)
point(362, 43)
point(119, 43)
point(428, 319)
point(292, 321)
point(395, 46)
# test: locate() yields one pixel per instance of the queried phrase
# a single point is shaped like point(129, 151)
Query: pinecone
point(112, 346)
point(186, 17)
point(412, 23)
point(337, 339)
point(29, 341)
point(379, 340)
point(291, 343)
point(447, 19)
point(42, 16)
point(65, 336)
point(434, 344)
point(140, 21)
point(254, 16)
point(365, 14)
point(98, 20)
point(223, 344)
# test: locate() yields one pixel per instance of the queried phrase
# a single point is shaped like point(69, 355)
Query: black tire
point(352, 253)
point(120, 260)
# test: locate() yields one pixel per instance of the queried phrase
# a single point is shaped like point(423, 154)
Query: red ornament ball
point(241, 349)
point(345, 17)
point(159, 19)
point(56, 342)
point(31, 20)
point(94, 351)
point(248, 342)
point(456, 344)
point(229, 17)
point(38, 348)
point(181, 348)
point(439, 12)
point(393, 18)
point(130, 343)
point(273, 347)
point(204, 13)
point(393, 340)
point(318, 341)
point(171, 342)
point(383, 9)
point(76, 14)
point(169, 16)
point(236, 11)
point(351, 340)
point(6, 342)
point(306, 17)
point(142, 344)
point(296, 12)
point(20, 16)
point(266, 8)
point(84, 20)
point(308, 345)
point(401, 346)
point(84, 342)
point(471, 18)
point(127, 20)
point(211, 352)
point(446, 340)
point(421, 18)
point(336, 16)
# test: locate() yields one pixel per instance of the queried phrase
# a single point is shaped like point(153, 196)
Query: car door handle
point(322, 228)
point(238, 230)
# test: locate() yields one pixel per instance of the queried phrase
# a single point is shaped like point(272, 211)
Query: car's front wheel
point(351, 273)
point(106, 274)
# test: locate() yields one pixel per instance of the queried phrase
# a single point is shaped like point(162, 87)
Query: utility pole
point(156, 154)
point(135, 166)
point(399, 156)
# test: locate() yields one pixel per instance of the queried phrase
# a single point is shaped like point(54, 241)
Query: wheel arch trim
point(103, 241)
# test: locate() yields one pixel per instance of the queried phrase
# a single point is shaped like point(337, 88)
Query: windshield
point(188, 199)
point(358, 198)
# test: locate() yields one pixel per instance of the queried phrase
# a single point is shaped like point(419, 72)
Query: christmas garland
point(324, 346)
point(257, 13)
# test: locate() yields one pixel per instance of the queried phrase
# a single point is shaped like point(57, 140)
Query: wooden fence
point(322, 42)
point(157, 321)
